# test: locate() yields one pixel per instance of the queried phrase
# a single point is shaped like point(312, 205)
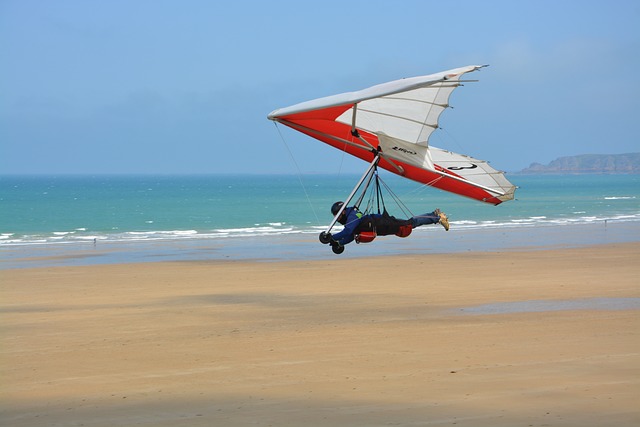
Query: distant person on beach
point(355, 223)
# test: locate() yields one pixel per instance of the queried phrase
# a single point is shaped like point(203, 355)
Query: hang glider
point(390, 124)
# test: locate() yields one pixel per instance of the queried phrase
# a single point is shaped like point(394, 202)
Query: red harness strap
point(365, 236)
point(404, 230)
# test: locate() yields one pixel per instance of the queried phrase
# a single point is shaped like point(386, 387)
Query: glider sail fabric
point(395, 120)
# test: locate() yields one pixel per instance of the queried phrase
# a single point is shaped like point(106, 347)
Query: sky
point(185, 86)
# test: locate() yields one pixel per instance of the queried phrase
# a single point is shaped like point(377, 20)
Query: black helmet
point(335, 208)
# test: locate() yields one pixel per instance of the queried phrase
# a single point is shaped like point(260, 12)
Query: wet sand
point(351, 342)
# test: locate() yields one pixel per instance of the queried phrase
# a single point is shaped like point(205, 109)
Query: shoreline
point(427, 241)
point(369, 341)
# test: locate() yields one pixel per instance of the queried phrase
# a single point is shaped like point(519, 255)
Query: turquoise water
point(68, 209)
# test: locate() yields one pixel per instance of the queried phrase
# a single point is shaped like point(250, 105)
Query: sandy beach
point(519, 338)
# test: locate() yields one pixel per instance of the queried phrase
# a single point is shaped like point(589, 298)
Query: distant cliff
point(590, 163)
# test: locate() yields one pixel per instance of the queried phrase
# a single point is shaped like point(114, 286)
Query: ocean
point(45, 216)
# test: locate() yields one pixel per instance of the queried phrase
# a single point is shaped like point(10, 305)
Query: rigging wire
point(299, 173)
point(375, 201)
point(344, 154)
point(404, 208)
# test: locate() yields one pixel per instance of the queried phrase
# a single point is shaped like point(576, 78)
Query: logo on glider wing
point(404, 150)
point(459, 168)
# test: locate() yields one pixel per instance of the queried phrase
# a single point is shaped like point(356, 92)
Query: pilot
point(355, 222)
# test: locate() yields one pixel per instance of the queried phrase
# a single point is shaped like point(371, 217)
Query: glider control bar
point(372, 166)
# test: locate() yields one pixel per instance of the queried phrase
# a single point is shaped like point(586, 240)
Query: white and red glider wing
point(396, 119)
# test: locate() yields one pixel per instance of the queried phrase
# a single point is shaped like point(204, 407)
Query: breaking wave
point(83, 235)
